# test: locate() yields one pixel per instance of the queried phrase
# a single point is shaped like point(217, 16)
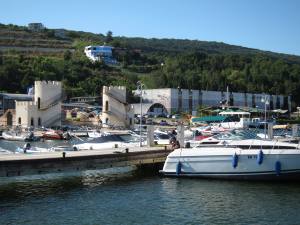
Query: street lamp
point(140, 86)
point(265, 99)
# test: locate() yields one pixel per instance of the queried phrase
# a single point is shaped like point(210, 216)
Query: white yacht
point(236, 159)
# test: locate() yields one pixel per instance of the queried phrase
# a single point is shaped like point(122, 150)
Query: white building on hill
point(100, 53)
point(36, 26)
point(45, 109)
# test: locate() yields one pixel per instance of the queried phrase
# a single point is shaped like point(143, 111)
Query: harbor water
point(122, 196)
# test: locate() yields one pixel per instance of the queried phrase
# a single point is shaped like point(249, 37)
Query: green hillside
point(27, 56)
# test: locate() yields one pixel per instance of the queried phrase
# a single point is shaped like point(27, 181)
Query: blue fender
point(235, 159)
point(260, 157)
point(178, 168)
point(277, 168)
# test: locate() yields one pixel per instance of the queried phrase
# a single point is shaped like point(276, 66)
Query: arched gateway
point(157, 109)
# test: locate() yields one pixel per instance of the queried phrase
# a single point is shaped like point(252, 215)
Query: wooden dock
point(71, 161)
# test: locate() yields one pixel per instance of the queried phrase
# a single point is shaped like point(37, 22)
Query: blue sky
point(272, 25)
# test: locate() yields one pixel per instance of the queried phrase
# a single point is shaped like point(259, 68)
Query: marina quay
point(63, 162)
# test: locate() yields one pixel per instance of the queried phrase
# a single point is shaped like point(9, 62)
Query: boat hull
point(100, 146)
point(52, 137)
point(277, 164)
point(285, 175)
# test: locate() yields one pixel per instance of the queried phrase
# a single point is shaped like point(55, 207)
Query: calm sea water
point(120, 196)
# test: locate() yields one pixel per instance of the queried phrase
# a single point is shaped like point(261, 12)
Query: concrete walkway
point(68, 154)
point(60, 162)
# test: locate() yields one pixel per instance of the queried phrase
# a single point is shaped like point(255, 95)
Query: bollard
point(64, 154)
point(270, 131)
point(126, 150)
point(294, 130)
point(180, 135)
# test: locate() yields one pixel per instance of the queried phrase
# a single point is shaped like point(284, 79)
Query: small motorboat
point(30, 149)
point(56, 135)
point(162, 139)
point(94, 134)
point(4, 151)
point(62, 148)
point(109, 141)
point(17, 136)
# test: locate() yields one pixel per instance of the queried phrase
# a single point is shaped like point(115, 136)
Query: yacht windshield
point(115, 138)
point(237, 135)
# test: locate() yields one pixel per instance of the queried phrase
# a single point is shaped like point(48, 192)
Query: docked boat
point(4, 151)
point(108, 141)
point(17, 136)
point(61, 148)
point(221, 138)
point(162, 137)
point(94, 134)
point(55, 135)
point(236, 159)
point(28, 149)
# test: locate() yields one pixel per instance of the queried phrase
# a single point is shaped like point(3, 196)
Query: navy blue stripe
point(234, 173)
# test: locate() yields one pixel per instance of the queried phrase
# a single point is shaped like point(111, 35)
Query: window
point(32, 122)
point(106, 106)
point(39, 121)
point(39, 102)
point(19, 120)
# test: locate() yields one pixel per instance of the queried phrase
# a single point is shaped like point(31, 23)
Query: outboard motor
point(26, 147)
point(66, 136)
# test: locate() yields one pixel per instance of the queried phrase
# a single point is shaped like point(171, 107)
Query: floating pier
point(71, 161)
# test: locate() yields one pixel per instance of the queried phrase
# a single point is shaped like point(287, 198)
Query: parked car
point(168, 116)
point(163, 123)
point(176, 116)
point(137, 120)
point(161, 139)
point(149, 122)
point(162, 115)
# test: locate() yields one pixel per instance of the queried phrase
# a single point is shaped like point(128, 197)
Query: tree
point(109, 36)
point(67, 55)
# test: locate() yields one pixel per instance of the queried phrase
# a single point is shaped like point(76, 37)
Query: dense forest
point(157, 62)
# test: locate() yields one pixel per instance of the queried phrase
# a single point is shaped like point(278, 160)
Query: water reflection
point(124, 196)
point(221, 201)
point(16, 188)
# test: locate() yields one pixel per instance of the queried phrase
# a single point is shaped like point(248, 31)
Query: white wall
point(169, 97)
point(195, 99)
point(211, 98)
point(119, 113)
point(47, 92)
point(238, 99)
